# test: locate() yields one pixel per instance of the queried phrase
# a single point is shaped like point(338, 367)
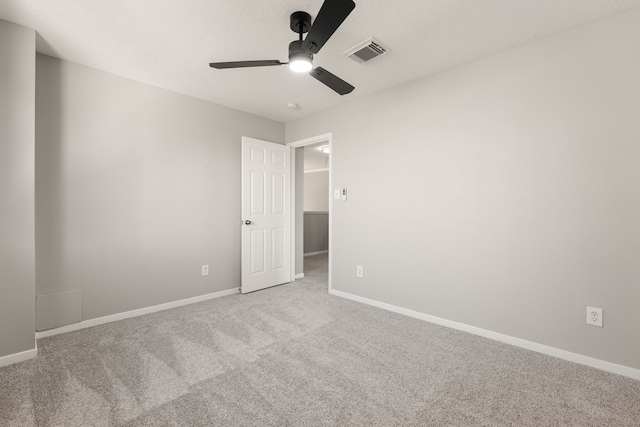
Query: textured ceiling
point(169, 43)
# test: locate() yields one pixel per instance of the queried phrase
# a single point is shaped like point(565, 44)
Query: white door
point(266, 214)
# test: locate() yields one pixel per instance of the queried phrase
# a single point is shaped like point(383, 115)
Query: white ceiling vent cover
point(366, 51)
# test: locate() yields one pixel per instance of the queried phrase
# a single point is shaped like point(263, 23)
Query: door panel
point(258, 193)
point(278, 184)
point(258, 251)
point(277, 245)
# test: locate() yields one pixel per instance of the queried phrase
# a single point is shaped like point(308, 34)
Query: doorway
point(311, 204)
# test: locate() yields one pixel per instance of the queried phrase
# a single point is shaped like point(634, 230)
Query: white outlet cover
point(594, 316)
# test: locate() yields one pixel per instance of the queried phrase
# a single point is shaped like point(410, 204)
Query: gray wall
point(316, 191)
point(136, 188)
point(17, 252)
point(502, 194)
point(316, 232)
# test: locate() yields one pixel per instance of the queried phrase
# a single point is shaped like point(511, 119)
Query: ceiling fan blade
point(334, 82)
point(331, 15)
point(243, 64)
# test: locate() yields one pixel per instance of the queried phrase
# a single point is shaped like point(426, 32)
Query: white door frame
point(327, 137)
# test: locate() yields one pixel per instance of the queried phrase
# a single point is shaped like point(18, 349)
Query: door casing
point(326, 138)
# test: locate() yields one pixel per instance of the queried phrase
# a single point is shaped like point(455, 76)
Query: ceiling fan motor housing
point(296, 51)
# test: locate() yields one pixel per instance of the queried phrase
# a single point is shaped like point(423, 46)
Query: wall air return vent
point(366, 51)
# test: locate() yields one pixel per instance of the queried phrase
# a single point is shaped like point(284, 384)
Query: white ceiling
point(169, 43)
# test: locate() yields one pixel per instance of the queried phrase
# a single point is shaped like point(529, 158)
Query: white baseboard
point(299, 276)
point(315, 253)
point(529, 345)
point(133, 313)
point(18, 357)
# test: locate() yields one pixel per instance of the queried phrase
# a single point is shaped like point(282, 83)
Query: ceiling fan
point(331, 15)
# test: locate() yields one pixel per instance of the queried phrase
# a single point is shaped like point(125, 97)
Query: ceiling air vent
point(366, 51)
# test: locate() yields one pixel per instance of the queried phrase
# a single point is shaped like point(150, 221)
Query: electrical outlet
point(359, 271)
point(205, 270)
point(594, 316)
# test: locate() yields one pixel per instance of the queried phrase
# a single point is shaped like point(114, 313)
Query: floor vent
point(366, 51)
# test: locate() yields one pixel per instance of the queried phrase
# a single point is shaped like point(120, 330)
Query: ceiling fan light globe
point(300, 65)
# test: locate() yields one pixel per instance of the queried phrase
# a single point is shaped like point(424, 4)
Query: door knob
point(247, 222)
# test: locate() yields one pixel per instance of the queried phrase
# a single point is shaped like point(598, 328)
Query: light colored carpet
point(295, 356)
